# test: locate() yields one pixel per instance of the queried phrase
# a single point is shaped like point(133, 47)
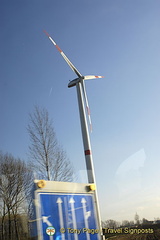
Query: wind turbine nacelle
point(75, 81)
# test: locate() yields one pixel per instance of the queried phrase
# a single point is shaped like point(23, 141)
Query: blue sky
point(117, 39)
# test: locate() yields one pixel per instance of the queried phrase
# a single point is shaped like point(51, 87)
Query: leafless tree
point(110, 224)
point(144, 221)
point(49, 161)
point(125, 223)
point(15, 185)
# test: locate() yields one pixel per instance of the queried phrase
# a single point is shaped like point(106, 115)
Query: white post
point(85, 135)
point(87, 146)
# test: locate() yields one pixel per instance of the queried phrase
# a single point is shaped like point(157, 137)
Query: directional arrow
point(45, 220)
point(86, 216)
point(59, 201)
point(71, 201)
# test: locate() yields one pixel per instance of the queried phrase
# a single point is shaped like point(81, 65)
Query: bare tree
point(144, 221)
point(110, 224)
point(15, 185)
point(49, 161)
point(125, 223)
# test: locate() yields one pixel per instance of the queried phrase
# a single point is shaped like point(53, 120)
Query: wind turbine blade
point(64, 56)
point(87, 105)
point(92, 77)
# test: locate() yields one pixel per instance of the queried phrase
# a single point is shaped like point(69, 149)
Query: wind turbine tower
point(82, 101)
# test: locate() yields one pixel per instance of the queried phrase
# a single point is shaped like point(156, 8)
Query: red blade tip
point(46, 33)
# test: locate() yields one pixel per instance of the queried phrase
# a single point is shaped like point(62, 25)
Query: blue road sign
point(73, 216)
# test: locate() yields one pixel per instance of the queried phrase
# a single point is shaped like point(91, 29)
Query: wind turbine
point(82, 97)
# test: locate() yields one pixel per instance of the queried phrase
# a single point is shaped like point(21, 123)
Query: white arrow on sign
point(86, 216)
point(45, 220)
point(71, 201)
point(59, 201)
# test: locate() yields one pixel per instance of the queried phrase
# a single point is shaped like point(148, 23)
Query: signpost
point(66, 211)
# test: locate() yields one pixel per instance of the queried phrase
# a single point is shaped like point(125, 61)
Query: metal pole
point(85, 136)
point(87, 146)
